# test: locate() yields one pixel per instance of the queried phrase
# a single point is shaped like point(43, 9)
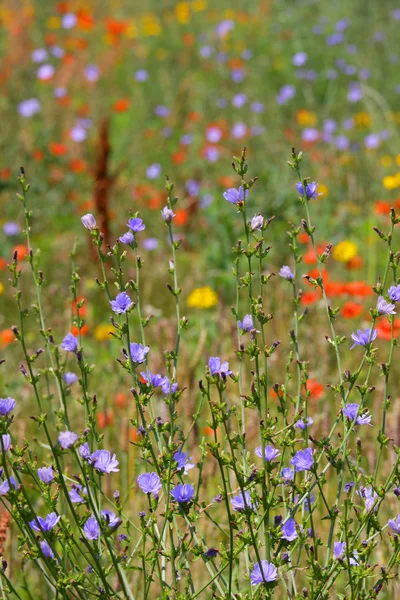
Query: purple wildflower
point(46, 524)
point(7, 405)
point(218, 368)
point(6, 484)
point(394, 293)
point(270, 453)
point(289, 532)
point(153, 171)
point(149, 483)
point(247, 323)
point(348, 486)
point(304, 423)
point(70, 378)
point(385, 308)
point(303, 460)
point(75, 492)
point(182, 458)
point(257, 222)
point(363, 338)
point(136, 225)
point(47, 551)
point(394, 524)
point(338, 549)
point(46, 474)
point(243, 502)
point(121, 304)
point(70, 343)
point(127, 238)
point(84, 451)
point(370, 497)
point(287, 474)
point(91, 529)
point(183, 493)
point(28, 108)
point(286, 273)
point(350, 411)
point(112, 520)
point(234, 196)
point(11, 228)
point(311, 190)
point(89, 221)
point(138, 352)
point(6, 441)
point(67, 439)
point(104, 462)
point(167, 214)
point(264, 571)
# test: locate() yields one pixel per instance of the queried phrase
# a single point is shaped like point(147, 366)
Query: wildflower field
point(199, 298)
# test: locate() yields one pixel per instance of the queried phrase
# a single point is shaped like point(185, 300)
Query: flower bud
point(89, 221)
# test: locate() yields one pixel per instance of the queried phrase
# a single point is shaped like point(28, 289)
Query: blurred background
point(100, 100)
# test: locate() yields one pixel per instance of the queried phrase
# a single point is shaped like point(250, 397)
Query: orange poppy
point(309, 257)
point(82, 310)
point(351, 310)
point(309, 298)
point(114, 27)
point(77, 165)
point(120, 399)
point(303, 238)
point(2, 263)
point(5, 173)
point(6, 336)
point(334, 288)
point(384, 329)
point(181, 216)
point(104, 418)
point(38, 154)
point(179, 157)
point(75, 330)
point(57, 148)
point(382, 208)
point(316, 389)
point(21, 251)
point(85, 19)
point(121, 105)
point(358, 288)
point(354, 264)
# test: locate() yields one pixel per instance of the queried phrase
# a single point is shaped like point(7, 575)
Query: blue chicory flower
point(7, 405)
point(70, 343)
point(350, 411)
point(394, 293)
point(286, 273)
point(47, 551)
point(385, 308)
point(243, 502)
point(265, 571)
point(121, 304)
point(136, 225)
point(183, 493)
point(218, 368)
point(182, 458)
point(67, 439)
point(234, 195)
point(289, 532)
point(104, 462)
point(91, 529)
point(70, 378)
point(46, 474)
point(149, 483)
point(138, 352)
point(270, 453)
point(46, 524)
point(363, 338)
point(127, 238)
point(303, 460)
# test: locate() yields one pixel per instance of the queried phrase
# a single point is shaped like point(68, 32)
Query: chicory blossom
point(303, 460)
point(46, 474)
point(5, 485)
point(182, 458)
point(384, 307)
point(270, 453)
point(243, 502)
point(264, 571)
point(350, 411)
point(363, 338)
point(91, 529)
point(338, 549)
point(234, 195)
point(136, 225)
point(304, 423)
point(257, 222)
point(246, 324)
point(183, 493)
point(289, 532)
point(46, 524)
point(84, 451)
point(370, 498)
point(127, 238)
point(89, 221)
point(121, 304)
point(394, 293)
point(7, 405)
point(67, 439)
point(311, 190)
point(47, 551)
point(104, 462)
point(286, 273)
point(218, 368)
point(75, 493)
point(167, 214)
point(5, 441)
point(70, 378)
point(149, 483)
point(138, 352)
point(70, 343)
point(394, 524)
point(111, 519)
point(287, 474)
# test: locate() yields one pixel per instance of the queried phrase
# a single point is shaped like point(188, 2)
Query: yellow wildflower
point(199, 5)
point(322, 189)
point(53, 22)
point(386, 160)
point(182, 13)
point(398, 160)
point(101, 332)
point(362, 119)
point(306, 118)
point(1, 289)
point(203, 297)
point(345, 251)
